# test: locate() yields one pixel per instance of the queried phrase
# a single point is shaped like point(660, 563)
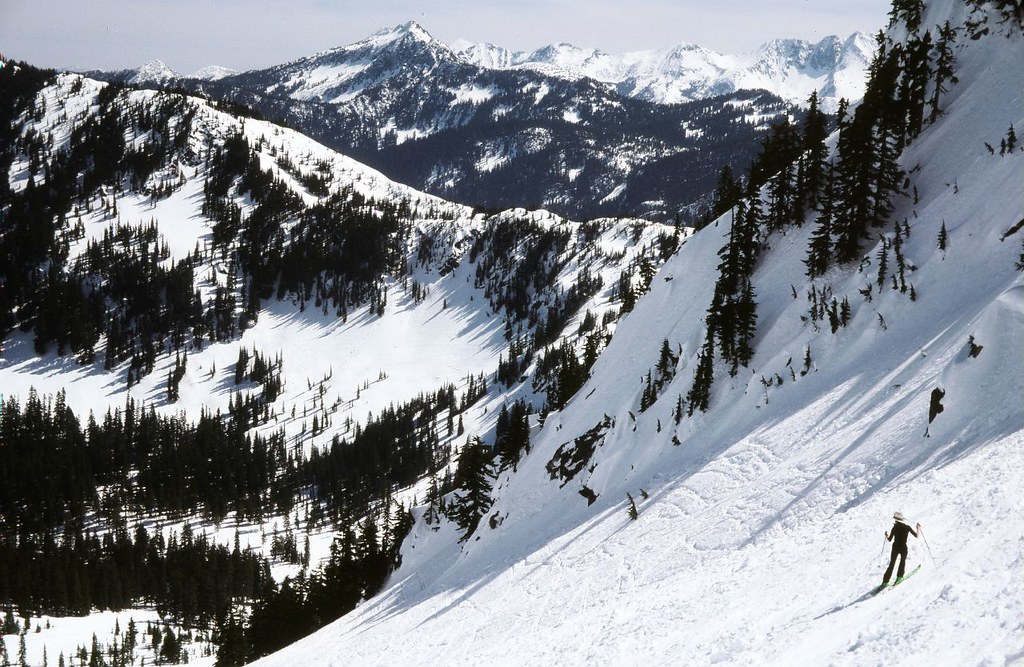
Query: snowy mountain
point(159, 254)
point(203, 264)
point(405, 103)
point(212, 73)
point(759, 521)
point(580, 132)
point(512, 437)
point(171, 195)
point(154, 72)
point(789, 68)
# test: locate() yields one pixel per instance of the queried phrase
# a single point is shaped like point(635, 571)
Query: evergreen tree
point(819, 250)
point(909, 12)
point(914, 82)
point(512, 433)
point(945, 63)
point(473, 479)
point(727, 193)
point(700, 393)
point(867, 172)
point(815, 152)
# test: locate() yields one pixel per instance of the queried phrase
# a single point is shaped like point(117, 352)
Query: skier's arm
point(912, 532)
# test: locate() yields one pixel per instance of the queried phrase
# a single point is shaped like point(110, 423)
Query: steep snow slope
point(758, 536)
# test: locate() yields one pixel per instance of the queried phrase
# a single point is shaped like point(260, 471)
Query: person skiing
point(898, 537)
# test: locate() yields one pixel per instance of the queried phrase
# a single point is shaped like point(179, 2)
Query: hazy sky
point(245, 34)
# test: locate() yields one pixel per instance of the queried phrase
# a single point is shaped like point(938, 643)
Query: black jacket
point(898, 534)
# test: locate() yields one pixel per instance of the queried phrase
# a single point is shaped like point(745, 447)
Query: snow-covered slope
point(758, 535)
point(789, 68)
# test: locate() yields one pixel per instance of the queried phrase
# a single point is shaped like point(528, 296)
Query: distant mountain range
point(790, 68)
point(155, 71)
point(579, 132)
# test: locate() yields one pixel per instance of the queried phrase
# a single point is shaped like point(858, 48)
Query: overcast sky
point(246, 34)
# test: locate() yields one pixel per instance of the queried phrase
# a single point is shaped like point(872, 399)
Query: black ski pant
point(900, 551)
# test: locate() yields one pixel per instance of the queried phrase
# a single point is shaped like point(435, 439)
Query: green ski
point(899, 580)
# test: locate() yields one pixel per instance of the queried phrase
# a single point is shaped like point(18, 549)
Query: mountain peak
point(409, 29)
point(212, 73)
point(153, 71)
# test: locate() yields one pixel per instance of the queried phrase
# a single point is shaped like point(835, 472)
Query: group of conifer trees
point(356, 569)
point(850, 193)
point(186, 577)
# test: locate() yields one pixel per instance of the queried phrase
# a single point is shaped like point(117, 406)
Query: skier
point(898, 537)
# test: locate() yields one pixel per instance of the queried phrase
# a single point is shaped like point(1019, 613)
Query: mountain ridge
point(405, 103)
point(789, 68)
point(545, 135)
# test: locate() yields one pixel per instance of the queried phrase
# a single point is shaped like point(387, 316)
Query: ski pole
point(929, 548)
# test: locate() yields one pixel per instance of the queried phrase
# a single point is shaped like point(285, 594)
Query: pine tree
point(727, 193)
point(883, 261)
point(819, 250)
point(945, 63)
point(815, 152)
point(632, 511)
point(943, 241)
point(700, 393)
point(909, 12)
point(868, 172)
point(914, 82)
point(473, 478)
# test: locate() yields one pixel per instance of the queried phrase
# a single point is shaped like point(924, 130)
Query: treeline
point(362, 558)
point(518, 263)
point(52, 467)
point(144, 463)
point(40, 220)
point(122, 289)
point(186, 577)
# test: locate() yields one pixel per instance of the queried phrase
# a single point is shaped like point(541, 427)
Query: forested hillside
point(169, 271)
